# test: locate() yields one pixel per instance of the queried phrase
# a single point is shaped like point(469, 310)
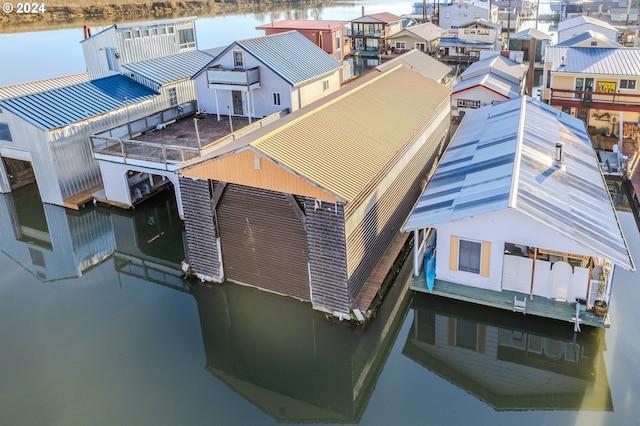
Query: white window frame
point(626, 84)
point(400, 44)
point(422, 44)
point(189, 42)
point(325, 85)
point(475, 104)
point(462, 103)
point(5, 132)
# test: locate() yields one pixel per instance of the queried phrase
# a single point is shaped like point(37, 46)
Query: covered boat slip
point(538, 306)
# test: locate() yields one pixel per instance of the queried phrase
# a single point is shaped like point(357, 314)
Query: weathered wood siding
point(327, 256)
point(371, 230)
point(202, 239)
point(263, 241)
point(250, 168)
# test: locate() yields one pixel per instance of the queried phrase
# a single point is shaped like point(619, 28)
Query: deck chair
point(520, 305)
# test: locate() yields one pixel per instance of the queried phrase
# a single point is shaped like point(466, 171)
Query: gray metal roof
point(492, 82)
point(22, 89)
point(529, 33)
point(59, 107)
point(500, 158)
point(290, 55)
point(581, 20)
point(498, 65)
point(608, 61)
point(589, 35)
point(418, 61)
point(168, 69)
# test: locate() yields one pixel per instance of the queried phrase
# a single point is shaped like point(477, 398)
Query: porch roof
point(502, 158)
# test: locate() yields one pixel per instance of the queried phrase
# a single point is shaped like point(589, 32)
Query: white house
point(580, 24)
point(260, 76)
point(518, 203)
point(487, 82)
point(457, 14)
point(469, 40)
point(120, 44)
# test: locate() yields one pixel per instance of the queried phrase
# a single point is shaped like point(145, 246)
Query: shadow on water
point(509, 361)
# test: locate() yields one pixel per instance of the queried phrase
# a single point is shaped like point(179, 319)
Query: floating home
point(306, 206)
point(45, 126)
point(256, 77)
point(521, 216)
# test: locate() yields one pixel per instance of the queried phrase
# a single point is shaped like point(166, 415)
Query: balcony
point(233, 79)
point(597, 100)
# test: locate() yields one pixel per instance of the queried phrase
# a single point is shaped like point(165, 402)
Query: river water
point(97, 326)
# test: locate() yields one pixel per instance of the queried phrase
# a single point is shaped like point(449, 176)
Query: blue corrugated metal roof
point(501, 157)
point(614, 61)
point(290, 55)
point(171, 68)
point(59, 107)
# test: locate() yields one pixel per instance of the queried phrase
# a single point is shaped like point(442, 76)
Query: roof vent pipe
point(557, 161)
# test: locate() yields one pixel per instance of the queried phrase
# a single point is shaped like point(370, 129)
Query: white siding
point(568, 33)
point(482, 94)
point(498, 228)
point(94, 53)
point(456, 15)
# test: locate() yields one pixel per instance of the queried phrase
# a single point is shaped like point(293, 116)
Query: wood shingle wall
point(202, 241)
point(327, 256)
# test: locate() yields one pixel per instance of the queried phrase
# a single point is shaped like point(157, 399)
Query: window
point(628, 84)
point(400, 45)
point(469, 253)
point(112, 58)
point(256, 162)
point(126, 35)
point(136, 33)
point(162, 30)
point(447, 15)
point(145, 33)
point(594, 43)
point(154, 31)
point(238, 59)
point(421, 46)
point(276, 98)
point(325, 85)
point(186, 38)
point(173, 96)
point(462, 103)
point(170, 30)
point(338, 39)
point(5, 133)
point(548, 79)
point(475, 104)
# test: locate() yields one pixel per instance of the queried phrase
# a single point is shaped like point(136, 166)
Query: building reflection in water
point(290, 361)
point(149, 241)
point(511, 362)
point(49, 241)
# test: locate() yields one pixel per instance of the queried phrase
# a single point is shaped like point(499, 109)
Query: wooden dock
point(539, 306)
point(383, 274)
point(79, 200)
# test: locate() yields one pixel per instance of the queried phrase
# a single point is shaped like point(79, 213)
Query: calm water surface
point(97, 327)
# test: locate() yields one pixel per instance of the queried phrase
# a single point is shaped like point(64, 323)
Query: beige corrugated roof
point(342, 145)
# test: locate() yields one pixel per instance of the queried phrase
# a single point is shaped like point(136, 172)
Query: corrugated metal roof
point(622, 61)
point(22, 89)
point(342, 142)
point(529, 33)
point(141, 24)
point(426, 31)
point(304, 24)
point(498, 65)
point(589, 35)
point(492, 82)
point(581, 20)
point(171, 68)
point(418, 61)
point(59, 107)
point(382, 17)
point(500, 159)
point(456, 42)
point(290, 55)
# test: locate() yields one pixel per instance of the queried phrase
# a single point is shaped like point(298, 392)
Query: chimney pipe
point(362, 10)
point(558, 161)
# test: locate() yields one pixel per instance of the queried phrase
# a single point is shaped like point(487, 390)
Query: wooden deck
point(79, 200)
point(385, 268)
point(539, 306)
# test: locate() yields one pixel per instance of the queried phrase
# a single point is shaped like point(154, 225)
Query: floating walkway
point(538, 306)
